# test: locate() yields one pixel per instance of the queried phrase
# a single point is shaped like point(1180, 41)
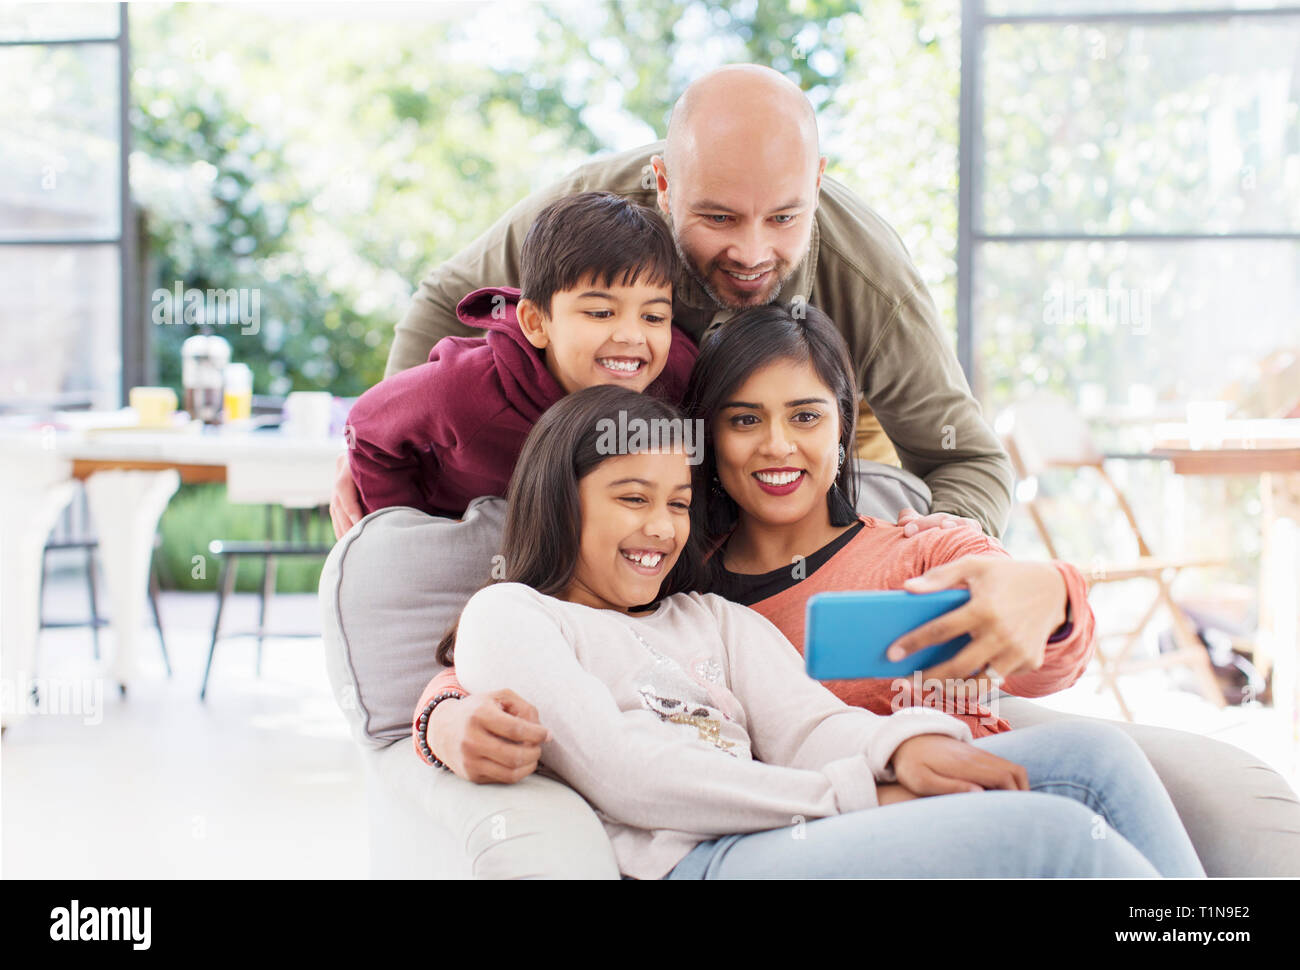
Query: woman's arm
point(1064, 660)
point(444, 683)
point(491, 737)
point(632, 766)
point(793, 719)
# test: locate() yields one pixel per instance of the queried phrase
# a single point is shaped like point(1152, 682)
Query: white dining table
point(130, 474)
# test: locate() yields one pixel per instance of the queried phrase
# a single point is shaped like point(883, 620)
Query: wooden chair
point(1045, 433)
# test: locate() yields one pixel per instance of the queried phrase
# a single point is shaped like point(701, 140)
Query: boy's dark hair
point(746, 343)
point(598, 234)
point(543, 533)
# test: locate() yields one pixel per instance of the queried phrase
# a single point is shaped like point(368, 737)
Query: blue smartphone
point(847, 634)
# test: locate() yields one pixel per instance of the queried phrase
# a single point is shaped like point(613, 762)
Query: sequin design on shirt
point(675, 697)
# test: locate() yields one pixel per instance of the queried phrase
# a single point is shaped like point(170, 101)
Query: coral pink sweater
point(881, 557)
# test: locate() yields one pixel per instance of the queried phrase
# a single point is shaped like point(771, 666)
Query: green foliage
point(330, 165)
point(327, 167)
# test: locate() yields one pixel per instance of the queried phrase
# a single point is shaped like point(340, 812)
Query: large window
point(1130, 199)
point(65, 259)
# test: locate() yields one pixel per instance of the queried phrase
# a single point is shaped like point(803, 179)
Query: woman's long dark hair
point(543, 533)
point(729, 356)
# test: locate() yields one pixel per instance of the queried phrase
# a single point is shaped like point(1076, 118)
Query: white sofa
point(394, 584)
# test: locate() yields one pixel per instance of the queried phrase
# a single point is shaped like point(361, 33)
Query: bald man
point(740, 181)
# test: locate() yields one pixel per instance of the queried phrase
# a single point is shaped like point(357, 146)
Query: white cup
point(307, 414)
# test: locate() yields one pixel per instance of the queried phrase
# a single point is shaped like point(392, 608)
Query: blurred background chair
point(1044, 432)
point(305, 533)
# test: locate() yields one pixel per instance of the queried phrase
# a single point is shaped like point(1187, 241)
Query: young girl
point(690, 725)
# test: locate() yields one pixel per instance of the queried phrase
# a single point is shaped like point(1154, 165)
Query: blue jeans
point(1095, 808)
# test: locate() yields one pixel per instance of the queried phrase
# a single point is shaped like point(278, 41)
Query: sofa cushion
point(398, 580)
point(389, 591)
point(883, 491)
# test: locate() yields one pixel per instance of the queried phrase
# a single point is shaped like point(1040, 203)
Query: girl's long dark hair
point(729, 356)
point(543, 533)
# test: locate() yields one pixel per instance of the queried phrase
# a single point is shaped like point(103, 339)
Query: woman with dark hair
point(688, 723)
point(775, 391)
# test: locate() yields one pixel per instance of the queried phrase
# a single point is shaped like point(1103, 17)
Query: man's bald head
point(739, 107)
point(739, 180)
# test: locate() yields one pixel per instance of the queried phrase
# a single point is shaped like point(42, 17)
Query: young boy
point(595, 307)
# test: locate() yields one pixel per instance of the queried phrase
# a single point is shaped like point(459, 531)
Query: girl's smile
point(635, 523)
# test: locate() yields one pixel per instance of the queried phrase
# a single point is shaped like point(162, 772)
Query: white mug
point(307, 414)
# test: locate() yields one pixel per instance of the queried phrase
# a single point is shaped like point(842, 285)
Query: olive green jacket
point(856, 270)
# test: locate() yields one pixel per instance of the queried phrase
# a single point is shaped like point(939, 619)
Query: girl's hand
point(1013, 608)
point(887, 793)
point(485, 738)
point(935, 764)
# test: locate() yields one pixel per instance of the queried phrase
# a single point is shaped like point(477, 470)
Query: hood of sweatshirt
point(528, 386)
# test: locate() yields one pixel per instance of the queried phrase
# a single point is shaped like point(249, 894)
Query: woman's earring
point(717, 485)
point(838, 505)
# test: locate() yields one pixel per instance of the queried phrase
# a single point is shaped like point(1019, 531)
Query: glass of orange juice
point(238, 397)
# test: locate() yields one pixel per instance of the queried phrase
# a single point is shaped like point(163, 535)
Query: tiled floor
point(262, 780)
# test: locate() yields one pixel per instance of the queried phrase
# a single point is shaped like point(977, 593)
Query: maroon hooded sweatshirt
point(438, 435)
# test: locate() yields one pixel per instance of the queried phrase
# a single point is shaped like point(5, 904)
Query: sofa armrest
point(1241, 815)
point(428, 823)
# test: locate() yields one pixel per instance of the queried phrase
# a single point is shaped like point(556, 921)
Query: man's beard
point(721, 301)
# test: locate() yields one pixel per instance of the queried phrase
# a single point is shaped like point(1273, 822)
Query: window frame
point(131, 338)
point(974, 21)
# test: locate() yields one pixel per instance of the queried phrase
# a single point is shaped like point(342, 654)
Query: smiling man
point(740, 181)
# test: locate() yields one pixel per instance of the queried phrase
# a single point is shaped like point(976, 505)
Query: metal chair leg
point(40, 595)
point(94, 603)
point(154, 589)
point(268, 591)
point(225, 588)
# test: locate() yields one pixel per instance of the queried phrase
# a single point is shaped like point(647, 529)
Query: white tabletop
point(100, 436)
point(262, 466)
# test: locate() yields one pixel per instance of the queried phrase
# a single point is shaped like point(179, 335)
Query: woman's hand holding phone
point(1014, 607)
point(935, 764)
point(486, 738)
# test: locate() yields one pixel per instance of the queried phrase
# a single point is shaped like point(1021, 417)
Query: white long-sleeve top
point(682, 725)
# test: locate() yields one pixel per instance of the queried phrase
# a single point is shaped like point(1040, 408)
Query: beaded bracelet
point(422, 728)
